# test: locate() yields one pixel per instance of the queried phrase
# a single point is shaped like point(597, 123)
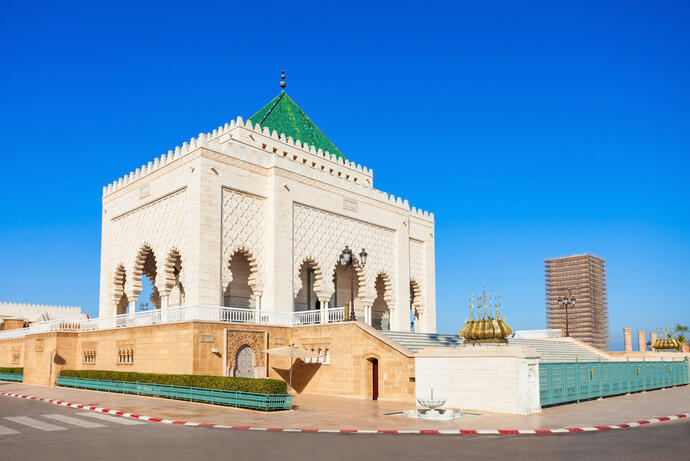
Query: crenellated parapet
point(285, 151)
point(36, 312)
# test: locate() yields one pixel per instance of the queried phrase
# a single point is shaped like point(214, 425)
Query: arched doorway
point(373, 379)
point(144, 280)
point(415, 306)
point(239, 293)
point(173, 272)
point(119, 297)
point(341, 282)
point(306, 299)
point(122, 305)
point(380, 310)
point(244, 363)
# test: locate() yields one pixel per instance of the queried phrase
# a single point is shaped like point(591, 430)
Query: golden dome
point(667, 344)
point(487, 328)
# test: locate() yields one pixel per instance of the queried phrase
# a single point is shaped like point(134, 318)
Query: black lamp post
point(348, 259)
point(566, 302)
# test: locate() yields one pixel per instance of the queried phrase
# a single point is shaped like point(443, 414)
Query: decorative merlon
point(39, 312)
point(5, 305)
point(355, 176)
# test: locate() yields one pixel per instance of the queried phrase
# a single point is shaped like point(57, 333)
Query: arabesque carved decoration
point(321, 236)
point(159, 225)
point(243, 230)
point(256, 340)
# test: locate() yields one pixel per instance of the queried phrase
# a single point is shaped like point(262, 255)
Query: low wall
point(12, 352)
point(502, 379)
point(210, 348)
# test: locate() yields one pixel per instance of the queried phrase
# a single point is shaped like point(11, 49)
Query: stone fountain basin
point(431, 403)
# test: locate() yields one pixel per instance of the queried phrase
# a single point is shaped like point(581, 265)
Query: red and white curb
point(360, 431)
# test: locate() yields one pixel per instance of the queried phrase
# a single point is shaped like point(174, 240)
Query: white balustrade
point(14, 334)
point(336, 315)
point(182, 314)
point(538, 334)
point(306, 317)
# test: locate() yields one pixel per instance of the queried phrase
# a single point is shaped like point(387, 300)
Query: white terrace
point(182, 314)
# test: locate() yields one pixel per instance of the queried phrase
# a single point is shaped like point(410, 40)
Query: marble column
point(627, 338)
point(165, 300)
point(653, 337)
point(324, 310)
point(641, 341)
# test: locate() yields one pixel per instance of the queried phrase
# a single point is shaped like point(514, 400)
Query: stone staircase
point(551, 350)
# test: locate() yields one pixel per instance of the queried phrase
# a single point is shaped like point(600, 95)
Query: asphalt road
point(31, 430)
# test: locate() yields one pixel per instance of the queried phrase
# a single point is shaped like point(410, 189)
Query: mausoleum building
point(263, 234)
point(255, 215)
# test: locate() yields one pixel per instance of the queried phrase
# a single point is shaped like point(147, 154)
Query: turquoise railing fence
point(266, 402)
point(572, 382)
point(12, 377)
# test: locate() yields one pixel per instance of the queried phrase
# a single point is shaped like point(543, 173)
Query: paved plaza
point(320, 412)
point(38, 430)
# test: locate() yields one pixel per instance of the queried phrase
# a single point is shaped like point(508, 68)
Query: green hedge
point(18, 370)
point(254, 385)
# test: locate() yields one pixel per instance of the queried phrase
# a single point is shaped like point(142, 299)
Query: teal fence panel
point(265, 402)
point(12, 377)
point(572, 382)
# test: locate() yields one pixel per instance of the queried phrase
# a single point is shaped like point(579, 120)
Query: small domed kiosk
point(487, 328)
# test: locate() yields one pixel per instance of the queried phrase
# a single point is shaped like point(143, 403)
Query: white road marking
point(112, 419)
point(75, 421)
point(35, 423)
point(6, 431)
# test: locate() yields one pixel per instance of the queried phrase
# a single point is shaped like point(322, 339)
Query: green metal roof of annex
point(285, 117)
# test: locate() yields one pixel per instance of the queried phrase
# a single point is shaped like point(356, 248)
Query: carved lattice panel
point(243, 229)
point(159, 224)
point(321, 236)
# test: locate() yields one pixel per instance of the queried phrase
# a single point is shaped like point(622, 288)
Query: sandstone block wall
point(209, 348)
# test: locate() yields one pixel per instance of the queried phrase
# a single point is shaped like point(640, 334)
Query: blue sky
point(531, 129)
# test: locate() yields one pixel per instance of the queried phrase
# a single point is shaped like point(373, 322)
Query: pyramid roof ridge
point(283, 115)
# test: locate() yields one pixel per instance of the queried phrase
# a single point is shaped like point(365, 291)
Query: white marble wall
point(501, 379)
point(266, 182)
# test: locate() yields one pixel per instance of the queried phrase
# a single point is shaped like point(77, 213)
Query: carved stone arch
point(172, 270)
point(319, 284)
point(144, 264)
point(415, 294)
point(253, 269)
point(382, 308)
point(387, 284)
point(119, 282)
point(360, 279)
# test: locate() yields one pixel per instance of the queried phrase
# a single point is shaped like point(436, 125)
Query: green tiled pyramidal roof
point(284, 116)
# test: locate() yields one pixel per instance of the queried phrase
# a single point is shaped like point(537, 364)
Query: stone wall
point(12, 352)
point(12, 324)
point(498, 379)
point(339, 364)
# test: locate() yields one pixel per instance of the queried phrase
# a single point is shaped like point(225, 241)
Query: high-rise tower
point(582, 277)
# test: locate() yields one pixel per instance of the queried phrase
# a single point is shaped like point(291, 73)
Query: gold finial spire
point(282, 78)
point(487, 328)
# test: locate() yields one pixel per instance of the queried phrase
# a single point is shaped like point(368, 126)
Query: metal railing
point(265, 402)
point(572, 382)
point(18, 377)
point(538, 334)
point(182, 314)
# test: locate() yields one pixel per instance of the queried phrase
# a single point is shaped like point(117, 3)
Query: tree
point(681, 333)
